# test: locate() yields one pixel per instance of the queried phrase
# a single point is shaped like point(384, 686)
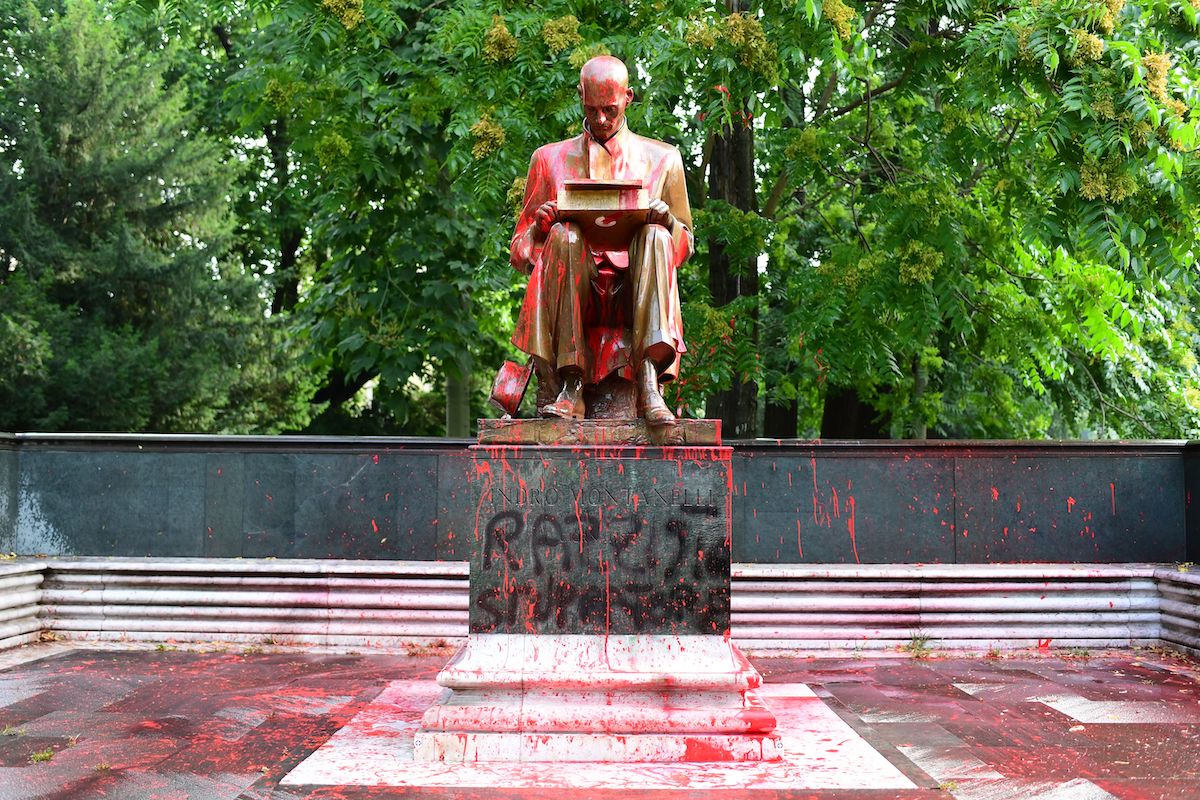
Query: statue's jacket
point(626, 156)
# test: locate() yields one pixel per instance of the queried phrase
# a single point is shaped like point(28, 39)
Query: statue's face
point(604, 97)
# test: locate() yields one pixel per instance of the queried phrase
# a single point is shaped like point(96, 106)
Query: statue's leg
point(656, 318)
point(553, 313)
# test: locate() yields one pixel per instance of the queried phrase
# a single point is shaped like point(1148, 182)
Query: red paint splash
point(1112, 488)
point(1070, 504)
point(814, 491)
point(850, 505)
point(799, 546)
point(700, 750)
point(995, 494)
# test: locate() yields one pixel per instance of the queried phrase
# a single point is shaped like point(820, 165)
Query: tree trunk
point(458, 404)
point(287, 277)
point(920, 382)
point(731, 179)
point(847, 417)
point(340, 387)
point(779, 420)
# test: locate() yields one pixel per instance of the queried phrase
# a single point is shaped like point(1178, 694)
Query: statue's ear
point(628, 96)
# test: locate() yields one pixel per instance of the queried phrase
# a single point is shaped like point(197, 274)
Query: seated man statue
point(562, 264)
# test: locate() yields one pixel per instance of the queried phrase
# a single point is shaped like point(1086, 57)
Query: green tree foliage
point(383, 260)
point(115, 297)
point(960, 218)
point(970, 219)
point(974, 219)
point(1002, 229)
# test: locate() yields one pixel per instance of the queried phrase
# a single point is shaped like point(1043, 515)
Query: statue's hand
point(660, 214)
point(546, 216)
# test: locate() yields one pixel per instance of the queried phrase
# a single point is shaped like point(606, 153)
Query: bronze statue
point(591, 312)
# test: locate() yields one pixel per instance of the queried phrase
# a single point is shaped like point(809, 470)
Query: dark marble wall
point(8, 491)
point(1191, 458)
point(793, 502)
point(234, 497)
point(961, 502)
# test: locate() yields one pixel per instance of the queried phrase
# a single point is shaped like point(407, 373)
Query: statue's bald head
point(603, 69)
point(604, 92)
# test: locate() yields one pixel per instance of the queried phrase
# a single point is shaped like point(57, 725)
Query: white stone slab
point(1009, 788)
point(696, 663)
point(1122, 712)
point(592, 748)
point(949, 764)
point(819, 749)
point(666, 713)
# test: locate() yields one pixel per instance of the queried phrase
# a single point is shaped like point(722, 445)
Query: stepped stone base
point(643, 698)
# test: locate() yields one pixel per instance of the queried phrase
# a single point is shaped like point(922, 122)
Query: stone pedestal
point(599, 616)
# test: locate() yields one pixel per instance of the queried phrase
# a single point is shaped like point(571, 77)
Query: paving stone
point(224, 726)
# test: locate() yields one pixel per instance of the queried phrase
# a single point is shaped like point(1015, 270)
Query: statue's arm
point(675, 195)
point(528, 234)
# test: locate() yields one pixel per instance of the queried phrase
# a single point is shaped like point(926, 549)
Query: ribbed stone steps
point(775, 607)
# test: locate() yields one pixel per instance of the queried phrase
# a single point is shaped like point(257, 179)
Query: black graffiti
point(586, 572)
point(632, 608)
point(564, 545)
point(499, 537)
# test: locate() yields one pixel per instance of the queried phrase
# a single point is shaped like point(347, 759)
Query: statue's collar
point(613, 144)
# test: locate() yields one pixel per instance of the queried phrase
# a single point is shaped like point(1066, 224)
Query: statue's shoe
point(653, 409)
point(566, 406)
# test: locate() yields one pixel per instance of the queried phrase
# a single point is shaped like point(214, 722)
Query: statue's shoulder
point(549, 152)
point(654, 147)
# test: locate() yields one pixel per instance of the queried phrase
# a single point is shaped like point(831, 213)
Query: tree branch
point(776, 196)
point(867, 95)
point(223, 38)
point(1105, 403)
point(340, 387)
point(873, 14)
point(981, 167)
point(826, 96)
point(979, 251)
